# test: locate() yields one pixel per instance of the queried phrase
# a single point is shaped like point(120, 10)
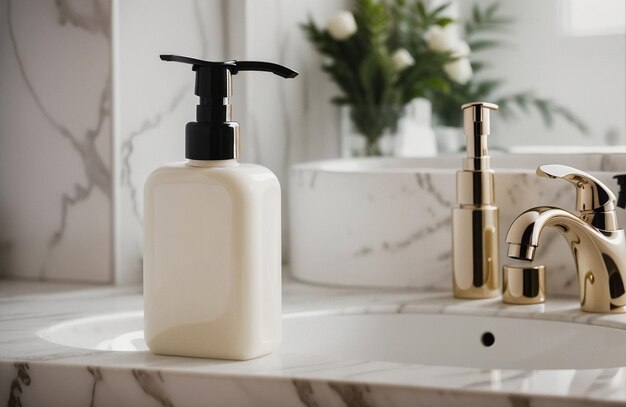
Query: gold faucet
point(598, 246)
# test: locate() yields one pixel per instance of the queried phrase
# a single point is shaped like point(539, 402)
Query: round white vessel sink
point(386, 222)
point(430, 339)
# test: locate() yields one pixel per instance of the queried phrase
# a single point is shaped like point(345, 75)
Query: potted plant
point(382, 55)
point(371, 55)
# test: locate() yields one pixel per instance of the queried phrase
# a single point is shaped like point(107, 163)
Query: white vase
point(353, 143)
point(415, 137)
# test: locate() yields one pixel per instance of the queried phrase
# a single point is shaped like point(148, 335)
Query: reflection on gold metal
point(523, 285)
point(598, 246)
point(475, 261)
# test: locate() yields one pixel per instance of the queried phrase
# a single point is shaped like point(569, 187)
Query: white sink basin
point(461, 341)
point(430, 339)
point(121, 332)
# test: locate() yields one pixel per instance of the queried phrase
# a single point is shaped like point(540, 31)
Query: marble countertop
point(36, 372)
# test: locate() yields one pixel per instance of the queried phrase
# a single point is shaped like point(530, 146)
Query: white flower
point(447, 39)
point(402, 59)
point(459, 70)
point(341, 26)
point(461, 49)
point(442, 39)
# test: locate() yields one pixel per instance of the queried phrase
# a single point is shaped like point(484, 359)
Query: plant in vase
point(478, 34)
point(385, 54)
point(379, 57)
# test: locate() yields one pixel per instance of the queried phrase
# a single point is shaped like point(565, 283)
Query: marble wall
point(56, 205)
point(87, 111)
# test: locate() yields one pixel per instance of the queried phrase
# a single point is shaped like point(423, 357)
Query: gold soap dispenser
point(475, 252)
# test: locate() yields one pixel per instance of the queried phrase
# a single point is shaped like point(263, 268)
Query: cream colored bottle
point(212, 260)
point(212, 237)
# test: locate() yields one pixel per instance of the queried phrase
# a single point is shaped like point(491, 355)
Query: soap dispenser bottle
point(212, 245)
point(475, 252)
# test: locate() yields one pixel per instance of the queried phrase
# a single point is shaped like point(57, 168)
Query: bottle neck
point(213, 163)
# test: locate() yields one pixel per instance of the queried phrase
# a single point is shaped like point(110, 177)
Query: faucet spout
point(521, 251)
point(524, 233)
point(599, 255)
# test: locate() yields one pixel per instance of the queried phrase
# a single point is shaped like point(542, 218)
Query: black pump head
point(214, 136)
point(621, 197)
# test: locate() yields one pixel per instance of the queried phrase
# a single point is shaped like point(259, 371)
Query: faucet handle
point(591, 194)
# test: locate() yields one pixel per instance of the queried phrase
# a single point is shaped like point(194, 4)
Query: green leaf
point(487, 87)
point(542, 106)
point(438, 83)
point(547, 109)
point(478, 45)
point(476, 14)
point(491, 10)
point(340, 100)
point(478, 66)
point(439, 9)
point(421, 10)
point(522, 101)
point(443, 21)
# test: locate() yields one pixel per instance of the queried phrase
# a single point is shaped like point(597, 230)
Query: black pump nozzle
point(215, 136)
point(621, 198)
point(235, 66)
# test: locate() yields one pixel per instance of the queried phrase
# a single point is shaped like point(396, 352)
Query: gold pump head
point(477, 126)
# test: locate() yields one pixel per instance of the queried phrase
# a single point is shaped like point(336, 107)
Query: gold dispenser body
point(475, 241)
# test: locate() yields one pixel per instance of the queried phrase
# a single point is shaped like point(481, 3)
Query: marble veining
point(152, 384)
point(98, 21)
point(405, 243)
point(425, 182)
point(127, 148)
point(97, 377)
point(83, 144)
point(21, 380)
point(29, 365)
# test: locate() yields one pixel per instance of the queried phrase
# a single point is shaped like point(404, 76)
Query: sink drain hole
point(488, 339)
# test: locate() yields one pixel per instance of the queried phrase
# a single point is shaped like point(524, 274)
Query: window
point(585, 18)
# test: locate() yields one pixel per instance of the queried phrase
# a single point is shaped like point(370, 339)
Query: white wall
point(586, 74)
